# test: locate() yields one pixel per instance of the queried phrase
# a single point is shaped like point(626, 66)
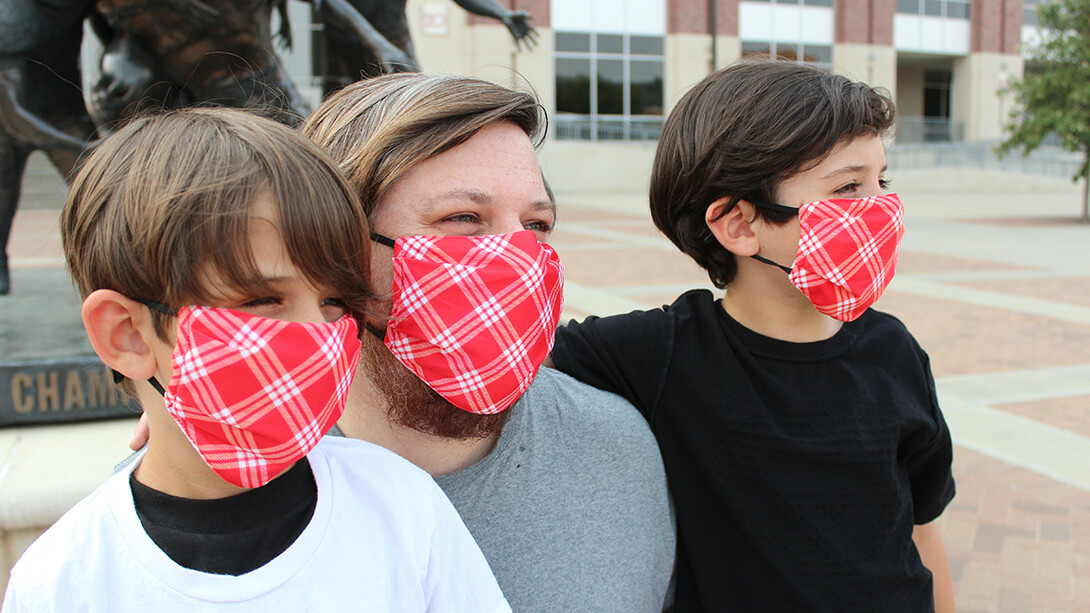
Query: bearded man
point(561, 485)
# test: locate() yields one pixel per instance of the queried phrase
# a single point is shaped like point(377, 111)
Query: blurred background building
point(611, 69)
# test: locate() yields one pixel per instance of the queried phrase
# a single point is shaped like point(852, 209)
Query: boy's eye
point(335, 302)
point(847, 189)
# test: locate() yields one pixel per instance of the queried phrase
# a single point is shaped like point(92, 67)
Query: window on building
point(822, 55)
point(953, 9)
point(1029, 12)
point(609, 76)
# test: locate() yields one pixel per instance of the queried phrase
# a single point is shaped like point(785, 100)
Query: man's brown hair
point(168, 198)
point(380, 128)
point(740, 133)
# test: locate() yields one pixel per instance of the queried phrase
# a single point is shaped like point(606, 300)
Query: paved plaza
point(994, 281)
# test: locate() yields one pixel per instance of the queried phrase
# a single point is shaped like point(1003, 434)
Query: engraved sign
point(56, 391)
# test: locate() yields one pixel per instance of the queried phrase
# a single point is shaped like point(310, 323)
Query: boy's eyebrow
point(851, 169)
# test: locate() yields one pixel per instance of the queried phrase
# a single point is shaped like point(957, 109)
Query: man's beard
point(412, 404)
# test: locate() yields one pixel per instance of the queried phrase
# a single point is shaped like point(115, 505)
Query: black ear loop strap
point(776, 208)
point(382, 240)
point(389, 242)
point(158, 307)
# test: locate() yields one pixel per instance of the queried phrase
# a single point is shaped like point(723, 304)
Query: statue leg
point(12, 163)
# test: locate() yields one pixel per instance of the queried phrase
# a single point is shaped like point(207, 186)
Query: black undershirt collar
point(233, 535)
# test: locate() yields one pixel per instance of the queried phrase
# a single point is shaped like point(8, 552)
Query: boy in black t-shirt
point(806, 451)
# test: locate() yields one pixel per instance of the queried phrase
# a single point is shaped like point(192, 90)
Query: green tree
point(1056, 98)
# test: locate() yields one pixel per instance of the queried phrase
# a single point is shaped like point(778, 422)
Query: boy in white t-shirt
point(223, 261)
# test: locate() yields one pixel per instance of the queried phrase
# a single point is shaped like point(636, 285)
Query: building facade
point(611, 69)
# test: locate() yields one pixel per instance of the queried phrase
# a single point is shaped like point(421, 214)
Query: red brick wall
point(881, 27)
point(987, 25)
point(691, 16)
point(1012, 26)
point(865, 21)
point(538, 9)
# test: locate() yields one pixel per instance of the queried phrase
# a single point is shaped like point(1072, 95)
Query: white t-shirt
point(383, 537)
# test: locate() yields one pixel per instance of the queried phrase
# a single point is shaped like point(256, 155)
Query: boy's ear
point(119, 330)
point(733, 229)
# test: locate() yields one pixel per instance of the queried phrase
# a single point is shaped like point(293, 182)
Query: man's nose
point(508, 226)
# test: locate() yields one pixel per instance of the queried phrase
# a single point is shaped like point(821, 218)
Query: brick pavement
point(1018, 533)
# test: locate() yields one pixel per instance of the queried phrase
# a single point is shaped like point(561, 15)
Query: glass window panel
point(957, 10)
point(911, 7)
point(787, 51)
point(646, 87)
point(645, 45)
point(610, 43)
point(610, 87)
point(818, 2)
point(755, 49)
point(573, 86)
point(932, 7)
point(572, 41)
point(818, 54)
point(1029, 15)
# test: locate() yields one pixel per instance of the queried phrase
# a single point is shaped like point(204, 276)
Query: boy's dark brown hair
point(741, 132)
point(168, 198)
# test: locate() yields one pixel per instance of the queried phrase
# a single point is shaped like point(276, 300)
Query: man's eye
point(847, 189)
point(538, 226)
point(462, 218)
point(335, 302)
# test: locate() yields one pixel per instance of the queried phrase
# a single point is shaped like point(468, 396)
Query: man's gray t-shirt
point(570, 507)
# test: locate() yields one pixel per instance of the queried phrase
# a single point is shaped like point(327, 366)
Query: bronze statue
point(347, 61)
point(41, 105)
point(157, 55)
point(171, 53)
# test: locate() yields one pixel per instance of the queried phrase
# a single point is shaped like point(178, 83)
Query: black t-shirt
point(798, 469)
point(233, 535)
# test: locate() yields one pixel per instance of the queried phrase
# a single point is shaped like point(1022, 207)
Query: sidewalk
point(994, 281)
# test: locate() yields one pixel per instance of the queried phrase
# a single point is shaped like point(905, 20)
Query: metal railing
point(929, 130)
point(602, 129)
point(1049, 160)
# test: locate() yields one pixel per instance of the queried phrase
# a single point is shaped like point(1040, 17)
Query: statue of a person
point(41, 105)
point(155, 54)
point(347, 61)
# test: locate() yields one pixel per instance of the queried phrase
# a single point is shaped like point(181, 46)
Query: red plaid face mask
point(474, 316)
point(253, 394)
point(847, 251)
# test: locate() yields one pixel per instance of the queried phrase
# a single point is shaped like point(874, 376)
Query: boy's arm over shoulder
point(458, 576)
point(624, 354)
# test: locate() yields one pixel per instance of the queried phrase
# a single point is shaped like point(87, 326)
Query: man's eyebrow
point(545, 205)
point(474, 195)
point(482, 197)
